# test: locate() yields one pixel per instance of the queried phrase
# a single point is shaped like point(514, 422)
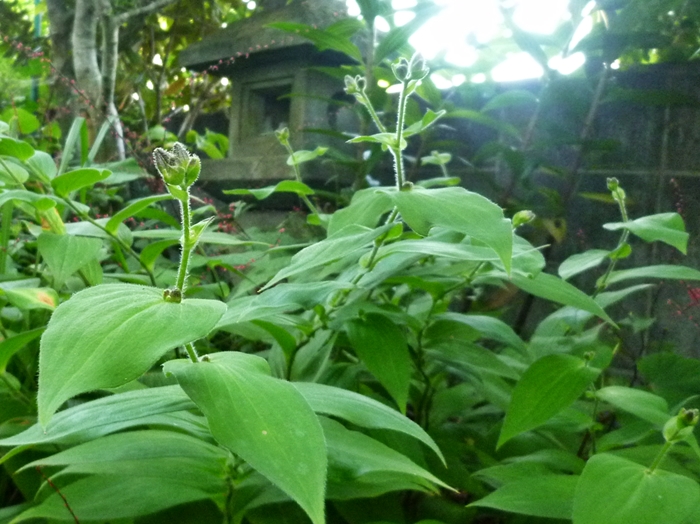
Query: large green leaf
point(489, 327)
point(555, 289)
point(18, 149)
point(133, 208)
point(361, 411)
point(148, 453)
point(12, 345)
point(78, 179)
point(643, 404)
point(357, 455)
point(285, 186)
point(471, 358)
point(12, 173)
point(66, 254)
point(111, 497)
point(614, 490)
point(665, 227)
point(550, 385)
point(103, 416)
point(382, 346)
point(662, 271)
point(460, 210)
point(264, 420)
point(106, 336)
point(365, 209)
point(351, 239)
point(581, 262)
point(548, 496)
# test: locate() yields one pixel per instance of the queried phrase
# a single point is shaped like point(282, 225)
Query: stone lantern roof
point(228, 50)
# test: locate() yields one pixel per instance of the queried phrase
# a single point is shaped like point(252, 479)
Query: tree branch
point(142, 11)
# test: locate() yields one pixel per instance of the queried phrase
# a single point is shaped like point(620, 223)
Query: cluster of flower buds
point(617, 192)
point(414, 69)
point(356, 86)
point(177, 167)
point(283, 136)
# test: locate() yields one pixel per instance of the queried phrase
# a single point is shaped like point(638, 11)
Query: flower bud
point(402, 70)
point(283, 135)
point(168, 166)
point(682, 425)
point(418, 69)
point(194, 167)
point(523, 217)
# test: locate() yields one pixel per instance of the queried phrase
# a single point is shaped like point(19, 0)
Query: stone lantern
point(274, 84)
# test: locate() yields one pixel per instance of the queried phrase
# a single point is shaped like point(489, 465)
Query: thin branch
point(142, 11)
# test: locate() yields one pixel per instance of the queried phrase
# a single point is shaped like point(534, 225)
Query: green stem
point(192, 352)
point(372, 113)
point(396, 151)
point(185, 243)
point(114, 237)
point(5, 234)
point(297, 175)
point(659, 457)
point(613, 262)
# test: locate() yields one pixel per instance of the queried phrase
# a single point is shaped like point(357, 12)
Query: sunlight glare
point(403, 4)
point(541, 16)
point(157, 60)
point(567, 65)
point(401, 18)
point(518, 66)
point(382, 25)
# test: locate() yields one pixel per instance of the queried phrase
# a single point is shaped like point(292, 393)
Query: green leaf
point(665, 227)
point(550, 385)
point(661, 271)
point(552, 288)
point(105, 415)
point(510, 98)
point(321, 39)
point(299, 157)
point(78, 179)
point(361, 411)
point(429, 118)
point(12, 345)
point(165, 454)
point(42, 165)
point(131, 209)
point(489, 327)
point(357, 455)
point(26, 121)
point(249, 412)
point(643, 404)
point(102, 498)
point(386, 139)
point(73, 140)
point(32, 298)
point(18, 149)
point(365, 209)
point(66, 254)
point(460, 210)
point(548, 496)
point(108, 335)
point(470, 357)
point(286, 186)
point(614, 490)
point(208, 237)
point(351, 239)
point(37, 200)
point(581, 262)
point(382, 346)
point(12, 173)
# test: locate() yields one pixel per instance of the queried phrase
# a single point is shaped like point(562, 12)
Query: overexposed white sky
point(463, 25)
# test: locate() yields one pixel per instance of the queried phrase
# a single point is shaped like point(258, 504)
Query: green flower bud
point(613, 184)
point(523, 217)
point(402, 70)
point(418, 69)
point(283, 135)
point(169, 166)
point(194, 167)
point(682, 425)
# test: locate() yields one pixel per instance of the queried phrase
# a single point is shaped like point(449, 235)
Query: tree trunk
point(87, 71)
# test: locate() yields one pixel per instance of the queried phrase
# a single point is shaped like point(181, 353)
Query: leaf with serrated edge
point(106, 336)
